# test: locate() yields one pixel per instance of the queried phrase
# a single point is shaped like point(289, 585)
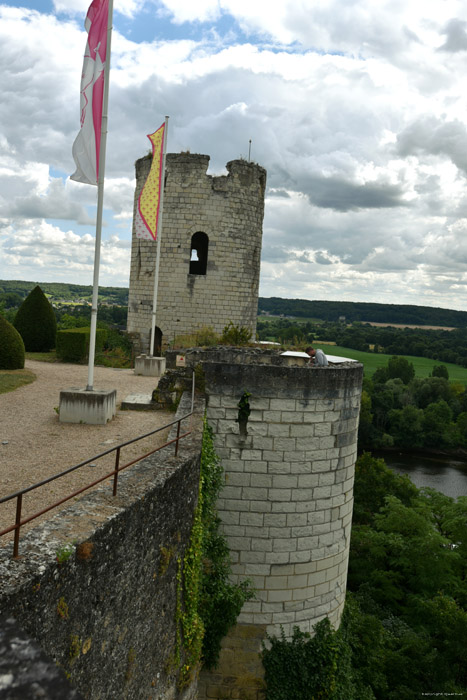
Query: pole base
point(148, 366)
point(94, 407)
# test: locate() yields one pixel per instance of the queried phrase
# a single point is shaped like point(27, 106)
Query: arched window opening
point(199, 253)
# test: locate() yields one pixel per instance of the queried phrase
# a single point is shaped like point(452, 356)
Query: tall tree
point(400, 367)
point(35, 322)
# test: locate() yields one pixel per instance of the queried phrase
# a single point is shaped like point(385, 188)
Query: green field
point(372, 361)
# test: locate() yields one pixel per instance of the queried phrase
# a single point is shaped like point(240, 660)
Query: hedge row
point(73, 344)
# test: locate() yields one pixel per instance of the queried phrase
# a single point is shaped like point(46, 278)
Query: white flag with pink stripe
point(87, 144)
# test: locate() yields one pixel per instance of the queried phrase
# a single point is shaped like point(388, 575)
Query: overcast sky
point(357, 110)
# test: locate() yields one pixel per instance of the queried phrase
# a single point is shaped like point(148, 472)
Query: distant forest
point(363, 312)
point(12, 292)
point(61, 291)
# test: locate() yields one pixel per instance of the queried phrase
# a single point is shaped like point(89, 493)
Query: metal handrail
point(115, 472)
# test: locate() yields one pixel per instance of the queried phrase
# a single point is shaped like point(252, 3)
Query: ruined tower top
point(210, 249)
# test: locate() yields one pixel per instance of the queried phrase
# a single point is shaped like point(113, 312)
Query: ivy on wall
point(221, 601)
point(208, 604)
point(309, 668)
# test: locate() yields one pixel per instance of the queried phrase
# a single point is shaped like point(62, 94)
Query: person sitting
point(317, 357)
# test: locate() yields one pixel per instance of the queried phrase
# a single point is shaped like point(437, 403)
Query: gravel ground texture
point(35, 445)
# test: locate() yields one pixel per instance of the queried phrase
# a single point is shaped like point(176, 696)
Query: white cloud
point(79, 7)
point(54, 204)
point(456, 36)
point(357, 111)
point(366, 27)
point(436, 137)
point(39, 251)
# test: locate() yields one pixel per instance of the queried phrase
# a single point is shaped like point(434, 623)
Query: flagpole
point(159, 234)
point(100, 204)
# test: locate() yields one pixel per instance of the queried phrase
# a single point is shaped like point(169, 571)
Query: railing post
point(19, 502)
point(117, 464)
point(178, 437)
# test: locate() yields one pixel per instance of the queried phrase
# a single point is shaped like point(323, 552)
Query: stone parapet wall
point(248, 355)
point(26, 673)
point(287, 503)
point(229, 210)
point(107, 613)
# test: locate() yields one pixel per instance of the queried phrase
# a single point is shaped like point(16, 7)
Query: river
point(446, 475)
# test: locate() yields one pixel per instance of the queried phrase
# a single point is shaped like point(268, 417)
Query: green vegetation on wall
point(221, 601)
point(11, 346)
point(208, 604)
point(35, 322)
point(206, 337)
point(306, 668)
point(235, 335)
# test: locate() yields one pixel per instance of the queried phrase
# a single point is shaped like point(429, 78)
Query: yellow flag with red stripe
point(147, 211)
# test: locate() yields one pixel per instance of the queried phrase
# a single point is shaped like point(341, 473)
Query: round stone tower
point(287, 440)
point(210, 250)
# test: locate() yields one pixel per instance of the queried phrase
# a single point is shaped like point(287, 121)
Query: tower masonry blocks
point(289, 458)
point(216, 221)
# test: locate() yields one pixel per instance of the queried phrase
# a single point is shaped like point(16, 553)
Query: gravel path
point(34, 444)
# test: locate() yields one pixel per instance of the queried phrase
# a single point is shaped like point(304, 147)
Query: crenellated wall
point(229, 211)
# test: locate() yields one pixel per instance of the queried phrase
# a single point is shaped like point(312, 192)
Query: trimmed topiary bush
point(11, 346)
point(36, 323)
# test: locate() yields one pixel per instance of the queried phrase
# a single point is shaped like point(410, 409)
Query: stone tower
point(287, 440)
point(210, 250)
